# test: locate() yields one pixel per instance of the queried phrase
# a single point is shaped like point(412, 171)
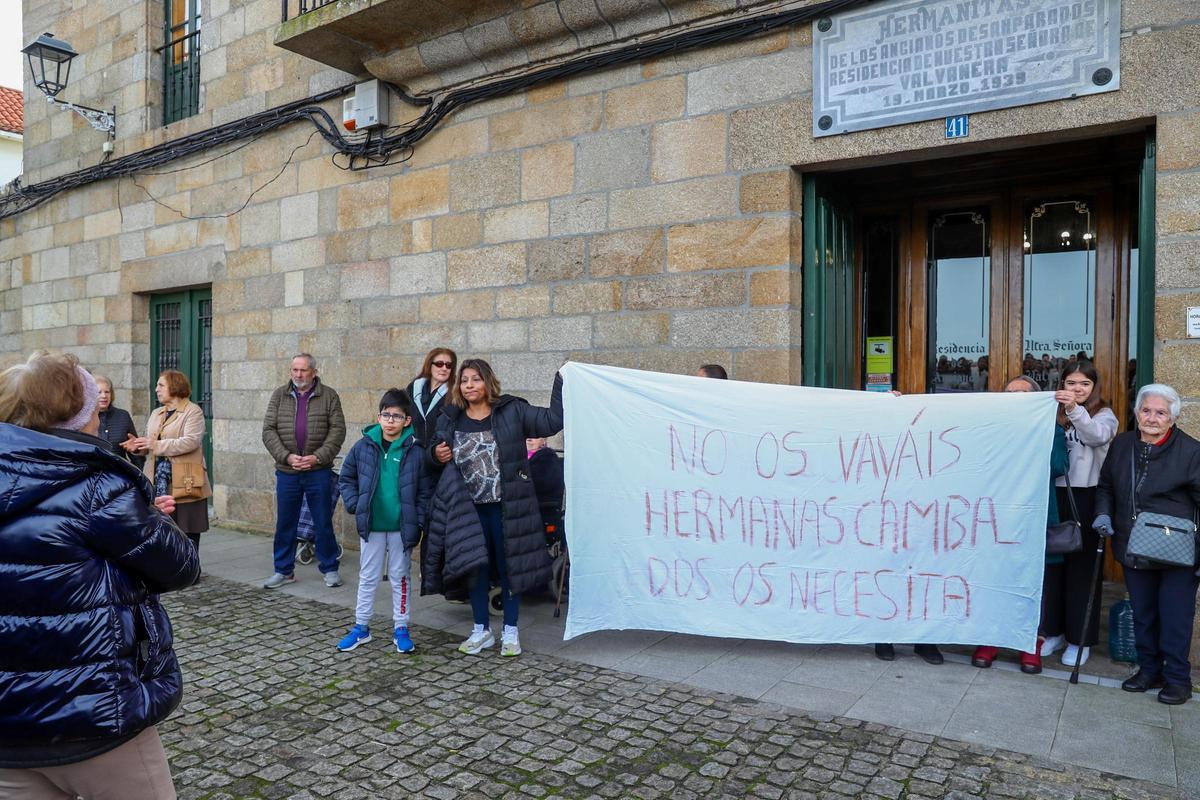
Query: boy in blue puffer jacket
point(385, 485)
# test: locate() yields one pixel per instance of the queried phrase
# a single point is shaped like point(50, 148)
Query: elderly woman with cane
point(1147, 500)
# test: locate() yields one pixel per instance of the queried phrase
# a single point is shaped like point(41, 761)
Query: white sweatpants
point(374, 549)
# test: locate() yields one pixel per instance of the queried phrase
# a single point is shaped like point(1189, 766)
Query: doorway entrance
point(959, 274)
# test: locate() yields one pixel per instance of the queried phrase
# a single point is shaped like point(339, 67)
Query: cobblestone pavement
point(272, 710)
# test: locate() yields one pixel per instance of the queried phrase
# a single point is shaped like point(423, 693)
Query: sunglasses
point(443, 364)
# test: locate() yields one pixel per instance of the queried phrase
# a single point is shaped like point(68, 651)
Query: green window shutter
point(1143, 293)
point(181, 59)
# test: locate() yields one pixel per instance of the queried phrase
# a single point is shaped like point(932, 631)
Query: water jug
point(1120, 632)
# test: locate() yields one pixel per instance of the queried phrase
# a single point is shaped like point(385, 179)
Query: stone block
point(502, 265)
point(491, 337)
point(707, 290)
point(731, 328)
point(546, 92)
point(247, 262)
point(318, 173)
point(728, 244)
point(298, 216)
point(386, 241)
point(585, 298)
point(1178, 141)
point(631, 252)
point(768, 136)
point(774, 287)
point(682, 361)
point(485, 181)
point(368, 279)
point(422, 235)
point(421, 193)
point(245, 323)
point(547, 171)
point(1177, 263)
point(362, 205)
point(1175, 365)
point(291, 320)
point(1170, 312)
point(684, 201)
point(386, 311)
point(299, 254)
point(452, 231)
point(764, 366)
point(550, 122)
point(560, 333)
point(604, 80)
point(749, 82)
point(53, 265)
point(613, 160)
point(458, 306)
point(556, 259)
point(418, 274)
point(1178, 204)
point(631, 330)
point(451, 143)
point(585, 213)
point(171, 238)
point(689, 148)
point(763, 192)
point(106, 223)
point(514, 223)
point(104, 284)
point(526, 372)
point(526, 301)
point(644, 102)
point(293, 289)
point(424, 337)
point(260, 224)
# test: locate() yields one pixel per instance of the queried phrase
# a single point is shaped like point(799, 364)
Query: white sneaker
point(510, 642)
point(1052, 644)
point(477, 641)
point(1068, 656)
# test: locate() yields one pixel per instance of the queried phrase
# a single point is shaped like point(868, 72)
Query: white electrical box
point(370, 105)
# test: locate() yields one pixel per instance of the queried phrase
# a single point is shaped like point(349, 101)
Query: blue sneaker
point(404, 644)
point(359, 634)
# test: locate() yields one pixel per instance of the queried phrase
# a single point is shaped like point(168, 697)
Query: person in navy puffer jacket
point(86, 662)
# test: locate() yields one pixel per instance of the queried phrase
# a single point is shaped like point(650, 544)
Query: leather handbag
point(1067, 536)
point(187, 477)
point(1161, 539)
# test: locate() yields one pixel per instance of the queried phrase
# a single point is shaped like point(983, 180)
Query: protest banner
point(758, 511)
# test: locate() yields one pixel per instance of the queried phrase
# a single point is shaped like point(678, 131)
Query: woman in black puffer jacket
point(86, 665)
point(484, 516)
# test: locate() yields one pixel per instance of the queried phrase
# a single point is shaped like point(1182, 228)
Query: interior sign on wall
point(901, 61)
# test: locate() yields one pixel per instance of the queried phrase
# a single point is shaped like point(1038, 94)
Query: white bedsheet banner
point(758, 511)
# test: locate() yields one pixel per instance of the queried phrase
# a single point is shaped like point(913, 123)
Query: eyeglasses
point(442, 364)
point(393, 417)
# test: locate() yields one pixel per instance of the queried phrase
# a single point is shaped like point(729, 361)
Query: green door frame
point(1144, 291)
point(829, 280)
point(184, 320)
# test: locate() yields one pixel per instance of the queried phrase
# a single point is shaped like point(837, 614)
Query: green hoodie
point(385, 501)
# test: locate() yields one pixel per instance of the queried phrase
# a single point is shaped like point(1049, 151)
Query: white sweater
point(1087, 443)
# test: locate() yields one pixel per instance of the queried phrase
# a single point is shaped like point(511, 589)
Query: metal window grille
point(181, 60)
point(302, 6)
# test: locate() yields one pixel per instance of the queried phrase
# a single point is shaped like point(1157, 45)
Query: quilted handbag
point(1161, 539)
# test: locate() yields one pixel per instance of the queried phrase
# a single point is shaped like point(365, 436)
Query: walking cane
point(1087, 616)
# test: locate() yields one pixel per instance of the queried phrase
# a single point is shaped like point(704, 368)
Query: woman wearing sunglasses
point(429, 391)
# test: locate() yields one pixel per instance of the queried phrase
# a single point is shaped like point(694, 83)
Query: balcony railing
point(294, 8)
point(181, 77)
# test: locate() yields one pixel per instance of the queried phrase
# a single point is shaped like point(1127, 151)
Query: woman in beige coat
point(174, 437)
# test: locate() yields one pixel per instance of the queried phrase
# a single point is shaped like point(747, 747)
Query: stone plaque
point(900, 61)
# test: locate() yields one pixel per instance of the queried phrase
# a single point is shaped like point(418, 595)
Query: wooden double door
point(982, 268)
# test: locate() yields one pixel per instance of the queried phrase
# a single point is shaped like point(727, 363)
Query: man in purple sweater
point(303, 430)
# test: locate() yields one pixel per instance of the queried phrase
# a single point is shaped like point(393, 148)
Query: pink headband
point(91, 397)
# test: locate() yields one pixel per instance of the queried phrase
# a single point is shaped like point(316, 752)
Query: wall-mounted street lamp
point(50, 64)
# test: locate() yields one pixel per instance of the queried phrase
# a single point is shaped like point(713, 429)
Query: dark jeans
point(492, 520)
point(316, 487)
point(1164, 606)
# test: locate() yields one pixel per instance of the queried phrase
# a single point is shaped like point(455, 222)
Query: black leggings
point(1065, 588)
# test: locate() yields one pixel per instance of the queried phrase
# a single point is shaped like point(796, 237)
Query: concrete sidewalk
point(1092, 724)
